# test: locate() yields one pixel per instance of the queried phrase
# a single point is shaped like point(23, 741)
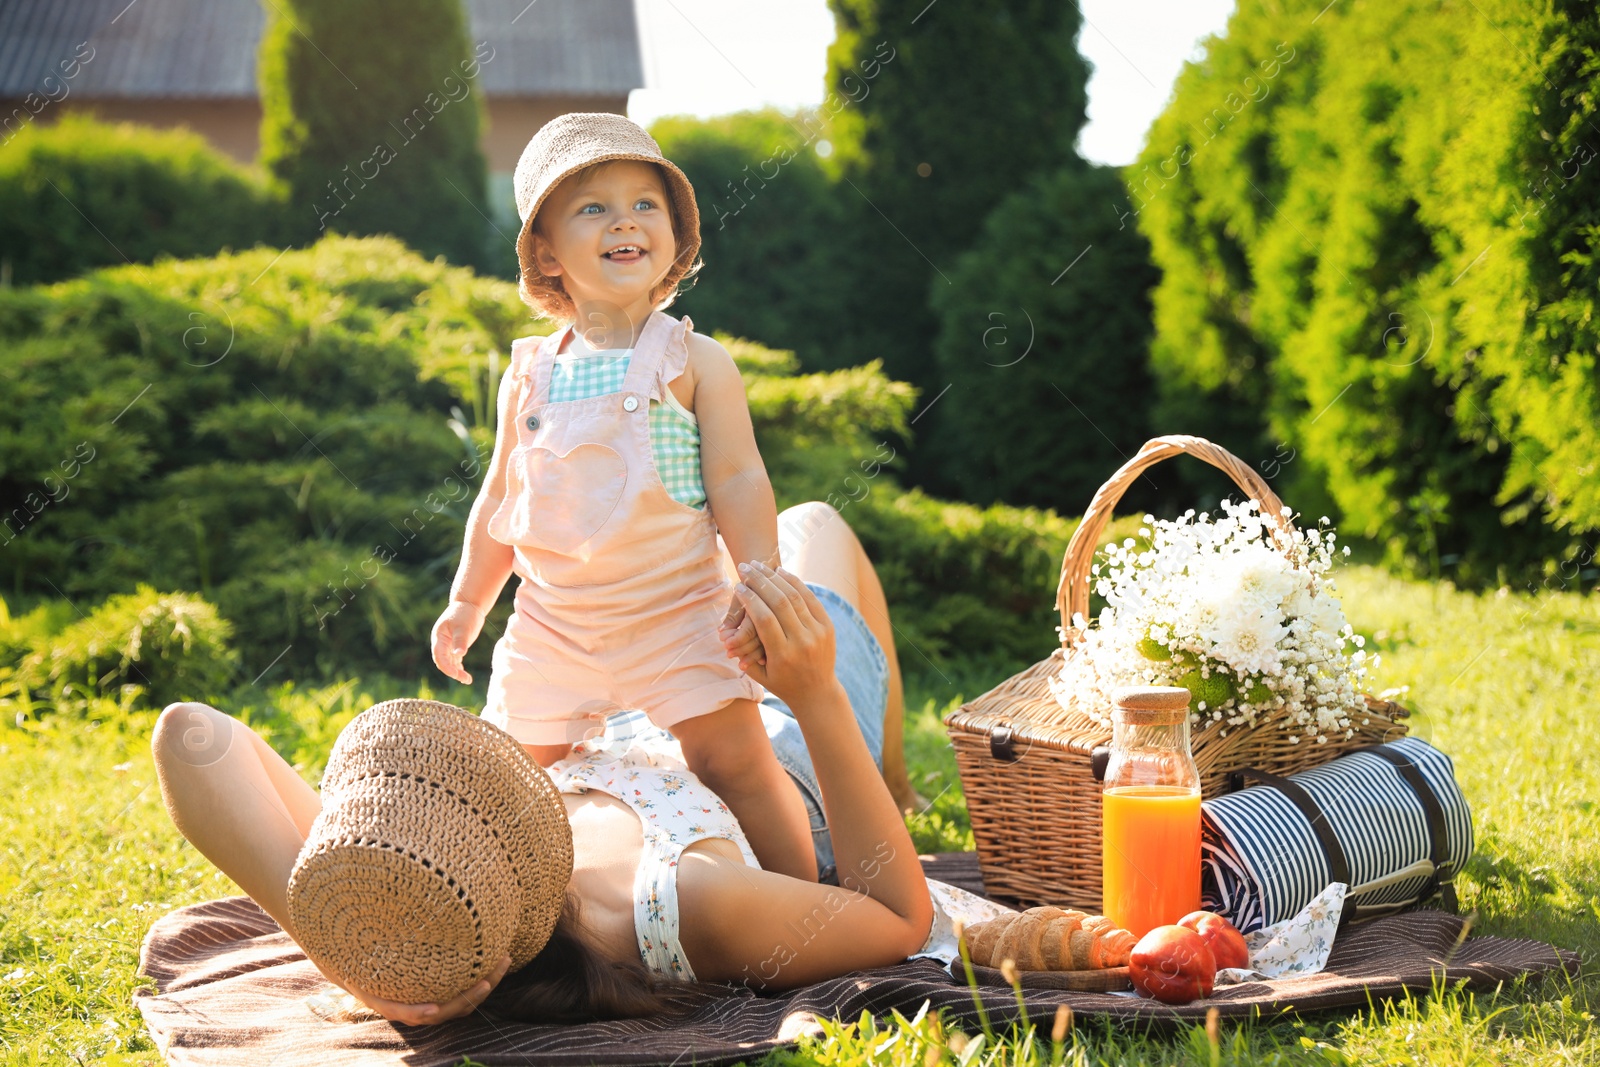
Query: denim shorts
point(862, 669)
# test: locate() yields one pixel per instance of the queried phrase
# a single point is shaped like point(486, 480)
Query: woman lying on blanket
point(649, 917)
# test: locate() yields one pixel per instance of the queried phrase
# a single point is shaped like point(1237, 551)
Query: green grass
point(1502, 681)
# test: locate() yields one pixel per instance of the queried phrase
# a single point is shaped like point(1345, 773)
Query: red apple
point(1220, 936)
point(1173, 965)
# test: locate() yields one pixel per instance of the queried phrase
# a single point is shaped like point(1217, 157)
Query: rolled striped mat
point(1388, 821)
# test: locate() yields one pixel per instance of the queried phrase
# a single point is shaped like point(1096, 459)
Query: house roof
point(206, 49)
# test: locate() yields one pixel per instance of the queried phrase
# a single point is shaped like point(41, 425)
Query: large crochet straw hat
point(564, 146)
point(441, 847)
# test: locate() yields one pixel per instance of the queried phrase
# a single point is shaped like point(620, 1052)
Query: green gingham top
point(582, 372)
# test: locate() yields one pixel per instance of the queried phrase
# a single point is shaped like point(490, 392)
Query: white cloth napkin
point(1297, 946)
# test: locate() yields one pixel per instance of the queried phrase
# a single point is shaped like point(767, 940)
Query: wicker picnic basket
point(1028, 765)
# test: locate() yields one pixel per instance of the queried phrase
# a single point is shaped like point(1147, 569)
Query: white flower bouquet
point(1234, 608)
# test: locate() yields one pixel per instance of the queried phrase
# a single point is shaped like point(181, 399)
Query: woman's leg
point(235, 799)
point(875, 609)
point(816, 545)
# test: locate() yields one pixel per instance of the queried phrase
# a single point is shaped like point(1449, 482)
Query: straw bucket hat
point(441, 846)
point(567, 144)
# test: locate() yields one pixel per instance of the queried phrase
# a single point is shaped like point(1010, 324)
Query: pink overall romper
point(622, 587)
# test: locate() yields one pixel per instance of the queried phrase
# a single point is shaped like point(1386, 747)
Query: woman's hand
point(453, 634)
point(427, 1014)
point(794, 629)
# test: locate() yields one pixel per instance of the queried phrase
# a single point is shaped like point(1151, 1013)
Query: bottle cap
point(1150, 705)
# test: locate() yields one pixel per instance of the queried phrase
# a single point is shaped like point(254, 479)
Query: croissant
point(1050, 939)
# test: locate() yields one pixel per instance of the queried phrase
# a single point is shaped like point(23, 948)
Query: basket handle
point(1072, 592)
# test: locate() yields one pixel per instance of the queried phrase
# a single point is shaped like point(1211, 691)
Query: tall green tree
point(1203, 190)
point(768, 214)
point(936, 113)
point(1374, 284)
point(1043, 370)
point(1517, 191)
point(371, 119)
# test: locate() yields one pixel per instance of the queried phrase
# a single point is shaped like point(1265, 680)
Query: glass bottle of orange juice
point(1150, 811)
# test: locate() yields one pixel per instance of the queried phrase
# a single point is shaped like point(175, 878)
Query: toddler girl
point(622, 448)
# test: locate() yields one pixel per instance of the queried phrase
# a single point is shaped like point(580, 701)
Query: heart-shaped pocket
point(571, 496)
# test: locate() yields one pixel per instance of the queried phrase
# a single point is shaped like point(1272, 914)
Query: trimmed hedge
point(80, 194)
point(173, 646)
point(290, 437)
point(969, 584)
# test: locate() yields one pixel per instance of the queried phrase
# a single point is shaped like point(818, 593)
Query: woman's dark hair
point(569, 982)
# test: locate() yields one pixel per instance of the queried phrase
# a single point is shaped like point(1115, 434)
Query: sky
point(712, 57)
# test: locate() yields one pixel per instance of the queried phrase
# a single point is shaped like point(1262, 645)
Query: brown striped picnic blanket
point(231, 988)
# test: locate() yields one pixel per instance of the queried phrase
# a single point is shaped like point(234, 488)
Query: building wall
point(233, 126)
point(512, 121)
